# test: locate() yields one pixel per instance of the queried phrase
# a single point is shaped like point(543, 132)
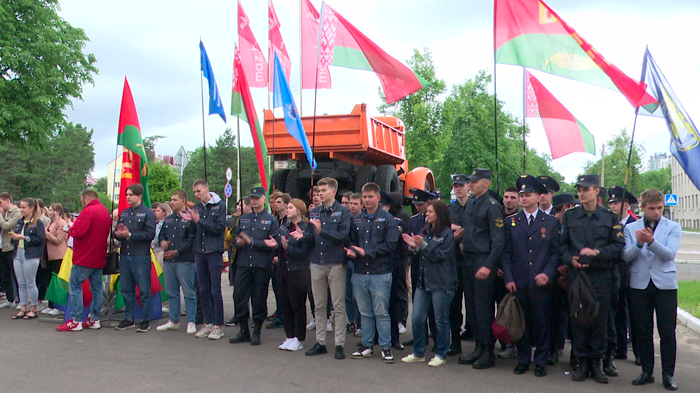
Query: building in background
point(112, 174)
point(687, 213)
point(658, 161)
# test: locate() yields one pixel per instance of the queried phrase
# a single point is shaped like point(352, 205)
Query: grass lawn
point(691, 230)
point(689, 297)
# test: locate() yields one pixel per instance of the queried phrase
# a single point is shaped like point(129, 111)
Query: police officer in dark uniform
point(545, 198)
point(530, 259)
point(456, 209)
point(256, 242)
point(482, 244)
point(617, 323)
point(591, 239)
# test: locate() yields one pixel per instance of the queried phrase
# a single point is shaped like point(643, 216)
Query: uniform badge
point(544, 232)
point(617, 226)
point(619, 234)
point(512, 222)
point(499, 222)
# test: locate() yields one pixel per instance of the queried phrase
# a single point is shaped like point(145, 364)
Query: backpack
point(583, 306)
point(509, 325)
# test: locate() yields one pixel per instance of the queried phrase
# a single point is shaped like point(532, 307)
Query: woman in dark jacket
point(293, 274)
point(29, 239)
point(436, 283)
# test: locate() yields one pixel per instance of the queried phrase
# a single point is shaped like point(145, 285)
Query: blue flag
point(685, 139)
point(215, 105)
point(282, 97)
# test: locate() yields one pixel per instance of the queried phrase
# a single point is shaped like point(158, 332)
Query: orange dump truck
point(352, 148)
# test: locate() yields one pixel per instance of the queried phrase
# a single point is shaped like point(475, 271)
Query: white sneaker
point(329, 326)
point(204, 331)
point(413, 359)
point(402, 328)
point(170, 325)
point(311, 325)
point(295, 345)
point(191, 328)
point(19, 307)
point(508, 353)
point(46, 310)
point(39, 307)
point(165, 309)
point(436, 362)
point(285, 345)
point(55, 312)
point(216, 333)
point(9, 304)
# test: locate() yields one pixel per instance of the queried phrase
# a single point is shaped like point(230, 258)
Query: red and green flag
point(242, 107)
point(530, 34)
point(565, 133)
point(342, 45)
point(134, 160)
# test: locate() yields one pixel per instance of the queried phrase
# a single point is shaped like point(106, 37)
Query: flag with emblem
point(342, 45)
point(530, 34)
point(565, 133)
point(253, 60)
point(134, 160)
point(276, 44)
point(309, 50)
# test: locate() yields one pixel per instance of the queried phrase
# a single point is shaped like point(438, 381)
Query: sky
point(155, 45)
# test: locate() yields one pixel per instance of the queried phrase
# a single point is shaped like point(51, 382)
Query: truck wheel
point(365, 175)
point(279, 179)
point(387, 179)
point(291, 186)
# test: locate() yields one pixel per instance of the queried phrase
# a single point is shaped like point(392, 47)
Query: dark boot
point(255, 340)
point(574, 362)
point(583, 369)
point(609, 365)
point(455, 346)
point(597, 371)
point(472, 357)
point(486, 360)
point(242, 336)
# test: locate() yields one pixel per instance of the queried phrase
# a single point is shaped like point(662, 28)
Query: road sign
point(671, 200)
point(229, 174)
point(228, 190)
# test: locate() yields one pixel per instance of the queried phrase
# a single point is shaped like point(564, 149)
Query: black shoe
point(318, 349)
point(472, 357)
point(274, 324)
point(408, 343)
point(521, 368)
point(398, 346)
point(125, 324)
point(255, 338)
point(351, 327)
point(359, 343)
point(637, 361)
point(486, 360)
point(272, 317)
point(243, 336)
point(574, 362)
point(553, 358)
point(466, 335)
point(387, 356)
point(670, 383)
point(582, 370)
point(144, 326)
point(609, 367)
point(455, 348)
point(231, 322)
point(597, 371)
point(339, 352)
point(643, 379)
point(540, 370)
point(620, 356)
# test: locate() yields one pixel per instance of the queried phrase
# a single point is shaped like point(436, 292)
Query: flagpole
point(318, 52)
point(524, 114)
point(270, 158)
point(301, 64)
point(238, 160)
point(495, 109)
point(204, 132)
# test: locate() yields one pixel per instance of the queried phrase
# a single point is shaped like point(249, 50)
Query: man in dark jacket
point(256, 242)
point(136, 228)
point(209, 215)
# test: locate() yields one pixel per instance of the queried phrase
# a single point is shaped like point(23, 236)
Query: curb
point(688, 320)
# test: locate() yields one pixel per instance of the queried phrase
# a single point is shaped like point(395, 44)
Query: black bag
point(583, 307)
point(112, 265)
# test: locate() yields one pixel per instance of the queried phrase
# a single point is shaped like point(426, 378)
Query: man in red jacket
point(90, 232)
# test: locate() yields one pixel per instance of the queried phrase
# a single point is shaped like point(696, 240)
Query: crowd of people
point(359, 259)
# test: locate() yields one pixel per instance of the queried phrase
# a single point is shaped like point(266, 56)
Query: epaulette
point(415, 215)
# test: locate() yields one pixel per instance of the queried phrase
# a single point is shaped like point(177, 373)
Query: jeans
point(350, 304)
point(372, 295)
point(208, 268)
point(439, 302)
point(78, 275)
point(136, 270)
point(25, 269)
point(180, 275)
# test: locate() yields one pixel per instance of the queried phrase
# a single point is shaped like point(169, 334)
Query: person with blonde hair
point(29, 238)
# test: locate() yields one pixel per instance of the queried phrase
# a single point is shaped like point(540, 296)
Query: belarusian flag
point(242, 107)
point(276, 44)
point(134, 160)
point(565, 133)
point(254, 60)
point(309, 50)
point(342, 45)
point(528, 33)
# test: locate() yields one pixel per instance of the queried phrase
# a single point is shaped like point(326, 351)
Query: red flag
point(309, 49)
point(277, 45)
point(254, 61)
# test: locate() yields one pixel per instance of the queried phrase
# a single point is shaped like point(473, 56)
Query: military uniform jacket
point(378, 236)
point(211, 227)
point(259, 227)
point(438, 270)
point(180, 234)
point(298, 253)
point(416, 224)
point(623, 267)
point(141, 223)
point(329, 245)
point(456, 211)
point(601, 231)
point(482, 220)
point(530, 250)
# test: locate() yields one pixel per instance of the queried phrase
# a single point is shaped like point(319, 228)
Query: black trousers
point(456, 316)
point(537, 307)
point(614, 304)
point(559, 319)
point(251, 283)
point(643, 304)
point(481, 297)
point(592, 342)
point(293, 287)
point(7, 275)
point(621, 322)
point(398, 297)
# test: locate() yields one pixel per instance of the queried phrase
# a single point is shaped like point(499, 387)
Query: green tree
point(101, 185)
point(659, 179)
point(42, 69)
point(162, 181)
point(616, 155)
